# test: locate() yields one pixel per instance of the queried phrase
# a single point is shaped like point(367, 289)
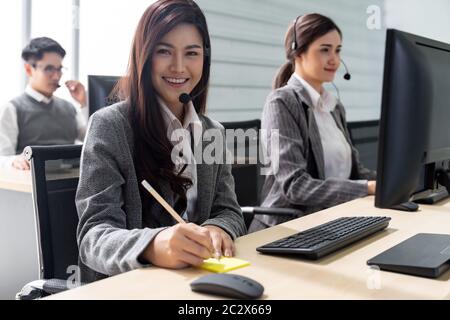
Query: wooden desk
point(342, 275)
point(15, 180)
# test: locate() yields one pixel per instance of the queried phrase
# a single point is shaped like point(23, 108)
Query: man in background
point(37, 117)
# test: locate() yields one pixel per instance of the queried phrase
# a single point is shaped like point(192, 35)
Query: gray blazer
point(300, 181)
point(113, 231)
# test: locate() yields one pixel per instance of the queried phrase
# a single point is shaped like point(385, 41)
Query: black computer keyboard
point(319, 241)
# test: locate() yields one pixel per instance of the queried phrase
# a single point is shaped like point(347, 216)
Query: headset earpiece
point(294, 39)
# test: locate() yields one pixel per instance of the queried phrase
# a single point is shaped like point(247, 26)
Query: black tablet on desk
point(425, 254)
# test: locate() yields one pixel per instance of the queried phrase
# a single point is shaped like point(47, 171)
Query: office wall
point(46, 14)
point(10, 61)
point(247, 44)
point(430, 19)
point(106, 32)
point(247, 49)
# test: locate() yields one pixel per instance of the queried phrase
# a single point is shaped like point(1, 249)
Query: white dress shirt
point(180, 135)
point(9, 130)
point(336, 150)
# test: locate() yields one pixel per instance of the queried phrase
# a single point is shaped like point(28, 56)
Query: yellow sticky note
point(223, 264)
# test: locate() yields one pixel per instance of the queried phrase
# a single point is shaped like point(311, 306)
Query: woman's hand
point(180, 246)
point(222, 242)
point(371, 187)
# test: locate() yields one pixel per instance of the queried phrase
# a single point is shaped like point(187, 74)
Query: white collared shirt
point(176, 131)
point(9, 129)
point(336, 150)
point(39, 97)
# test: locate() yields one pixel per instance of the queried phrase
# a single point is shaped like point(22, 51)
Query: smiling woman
point(121, 227)
point(318, 165)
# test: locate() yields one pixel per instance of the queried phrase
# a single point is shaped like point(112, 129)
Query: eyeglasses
point(50, 70)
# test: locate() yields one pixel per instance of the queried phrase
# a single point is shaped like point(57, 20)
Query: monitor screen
point(415, 112)
point(439, 138)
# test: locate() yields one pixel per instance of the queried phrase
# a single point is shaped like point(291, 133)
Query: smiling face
point(177, 64)
point(321, 61)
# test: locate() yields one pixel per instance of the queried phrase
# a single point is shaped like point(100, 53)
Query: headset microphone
point(186, 97)
point(347, 75)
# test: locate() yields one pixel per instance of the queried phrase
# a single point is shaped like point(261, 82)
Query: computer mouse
point(228, 285)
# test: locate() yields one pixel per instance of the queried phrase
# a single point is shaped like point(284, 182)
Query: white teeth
point(175, 80)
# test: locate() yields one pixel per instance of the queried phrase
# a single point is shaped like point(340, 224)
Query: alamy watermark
point(236, 147)
point(373, 281)
point(373, 21)
point(74, 280)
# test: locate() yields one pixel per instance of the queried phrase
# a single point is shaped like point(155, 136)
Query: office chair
point(100, 91)
point(246, 172)
point(55, 175)
point(364, 135)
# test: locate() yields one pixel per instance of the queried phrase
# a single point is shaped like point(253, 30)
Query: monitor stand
point(438, 194)
point(431, 196)
point(443, 178)
point(406, 206)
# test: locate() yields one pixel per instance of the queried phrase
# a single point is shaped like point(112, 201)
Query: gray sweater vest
point(44, 124)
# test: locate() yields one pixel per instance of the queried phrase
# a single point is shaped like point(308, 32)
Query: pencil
point(168, 208)
point(162, 202)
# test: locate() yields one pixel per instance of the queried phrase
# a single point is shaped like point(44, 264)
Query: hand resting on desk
point(19, 162)
point(371, 187)
point(184, 245)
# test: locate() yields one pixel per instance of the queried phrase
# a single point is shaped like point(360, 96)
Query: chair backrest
point(364, 135)
point(100, 91)
point(246, 165)
point(55, 175)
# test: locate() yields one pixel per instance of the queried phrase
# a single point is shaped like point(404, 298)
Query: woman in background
point(318, 165)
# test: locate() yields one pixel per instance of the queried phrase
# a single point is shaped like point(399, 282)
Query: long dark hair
point(308, 28)
point(152, 148)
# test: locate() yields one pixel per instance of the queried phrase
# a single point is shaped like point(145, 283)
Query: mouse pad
point(223, 264)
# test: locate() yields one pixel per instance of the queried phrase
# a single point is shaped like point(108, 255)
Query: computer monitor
point(414, 145)
point(99, 91)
